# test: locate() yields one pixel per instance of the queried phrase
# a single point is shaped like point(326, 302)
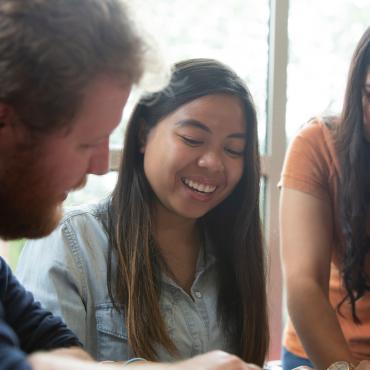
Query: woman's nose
point(212, 161)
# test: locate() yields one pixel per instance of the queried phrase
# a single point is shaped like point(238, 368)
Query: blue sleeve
point(11, 356)
point(25, 327)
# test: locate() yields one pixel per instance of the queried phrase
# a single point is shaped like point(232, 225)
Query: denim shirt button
point(198, 294)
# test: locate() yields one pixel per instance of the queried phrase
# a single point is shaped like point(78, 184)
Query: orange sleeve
point(307, 165)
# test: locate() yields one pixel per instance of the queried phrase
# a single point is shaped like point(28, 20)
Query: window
point(322, 38)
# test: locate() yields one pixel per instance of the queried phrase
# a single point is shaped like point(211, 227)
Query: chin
point(47, 222)
point(32, 224)
point(192, 214)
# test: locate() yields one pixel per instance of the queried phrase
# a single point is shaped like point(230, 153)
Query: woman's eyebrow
point(193, 123)
point(197, 124)
point(238, 135)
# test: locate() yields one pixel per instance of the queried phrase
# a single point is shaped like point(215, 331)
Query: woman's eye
point(88, 146)
point(234, 153)
point(91, 146)
point(191, 141)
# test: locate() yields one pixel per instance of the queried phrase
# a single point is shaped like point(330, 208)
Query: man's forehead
point(100, 113)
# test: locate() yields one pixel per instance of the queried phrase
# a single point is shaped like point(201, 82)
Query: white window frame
point(272, 164)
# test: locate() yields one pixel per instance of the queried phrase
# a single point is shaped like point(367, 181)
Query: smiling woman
point(194, 156)
point(172, 264)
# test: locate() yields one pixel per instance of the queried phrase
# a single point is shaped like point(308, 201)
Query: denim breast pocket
point(168, 317)
point(112, 341)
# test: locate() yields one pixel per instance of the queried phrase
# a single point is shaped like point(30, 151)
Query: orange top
point(311, 166)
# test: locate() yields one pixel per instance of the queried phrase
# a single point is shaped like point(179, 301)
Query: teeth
point(200, 187)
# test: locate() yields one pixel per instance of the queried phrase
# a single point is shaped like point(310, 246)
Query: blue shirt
point(24, 326)
point(73, 283)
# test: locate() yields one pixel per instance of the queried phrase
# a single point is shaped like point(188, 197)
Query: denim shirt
point(67, 272)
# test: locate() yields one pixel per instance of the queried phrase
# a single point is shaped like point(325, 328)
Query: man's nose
point(99, 162)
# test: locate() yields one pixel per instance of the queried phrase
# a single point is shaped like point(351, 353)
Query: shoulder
point(4, 268)
point(80, 235)
point(86, 213)
point(90, 219)
point(76, 250)
point(7, 279)
point(315, 140)
point(84, 230)
point(311, 164)
point(5, 276)
point(316, 132)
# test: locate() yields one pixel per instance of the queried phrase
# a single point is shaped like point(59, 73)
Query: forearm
point(317, 325)
point(74, 352)
point(149, 366)
point(215, 360)
point(54, 361)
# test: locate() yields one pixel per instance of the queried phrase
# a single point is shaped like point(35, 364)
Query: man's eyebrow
point(197, 124)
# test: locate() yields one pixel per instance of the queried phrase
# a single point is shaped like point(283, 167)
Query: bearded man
point(66, 70)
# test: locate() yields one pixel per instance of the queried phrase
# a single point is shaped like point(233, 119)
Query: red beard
point(28, 207)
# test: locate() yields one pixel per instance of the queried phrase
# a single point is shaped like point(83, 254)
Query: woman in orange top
point(325, 231)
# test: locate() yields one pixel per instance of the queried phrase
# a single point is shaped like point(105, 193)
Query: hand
point(63, 361)
point(215, 360)
point(363, 365)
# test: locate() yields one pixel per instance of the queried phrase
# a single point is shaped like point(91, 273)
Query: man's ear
point(5, 115)
point(10, 135)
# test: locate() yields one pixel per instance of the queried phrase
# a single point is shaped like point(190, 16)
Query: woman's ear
point(143, 133)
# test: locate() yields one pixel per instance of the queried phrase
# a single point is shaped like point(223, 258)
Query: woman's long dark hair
point(233, 226)
point(354, 194)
